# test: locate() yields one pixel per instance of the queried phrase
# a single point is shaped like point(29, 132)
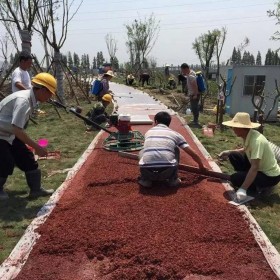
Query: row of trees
point(271, 58)
point(44, 17)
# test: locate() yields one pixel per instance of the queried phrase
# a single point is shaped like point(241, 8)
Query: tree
point(4, 44)
point(275, 14)
point(94, 63)
point(115, 63)
point(259, 59)
point(204, 47)
point(219, 44)
point(22, 15)
point(48, 20)
point(141, 38)
point(234, 57)
point(76, 60)
point(268, 57)
point(70, 62)
point(99, 59)
point(111, 44)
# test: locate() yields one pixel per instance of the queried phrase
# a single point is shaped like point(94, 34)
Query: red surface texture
point(107, 227)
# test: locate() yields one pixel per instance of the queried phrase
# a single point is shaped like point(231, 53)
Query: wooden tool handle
point(208, 173)
point(184, 167)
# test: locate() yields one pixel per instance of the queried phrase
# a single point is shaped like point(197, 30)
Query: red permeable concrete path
point(106, 227)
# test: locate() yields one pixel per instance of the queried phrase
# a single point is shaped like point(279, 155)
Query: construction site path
point(105, 226)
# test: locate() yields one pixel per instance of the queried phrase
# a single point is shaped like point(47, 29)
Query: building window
point(253, 84)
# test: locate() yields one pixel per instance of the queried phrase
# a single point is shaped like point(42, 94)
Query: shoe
point(145, 183)
point(3, 195)
point(195, 124)
point(174, 183)
point(41, 192)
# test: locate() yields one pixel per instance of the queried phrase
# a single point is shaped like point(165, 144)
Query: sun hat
point(110, 73)
point(241, 120)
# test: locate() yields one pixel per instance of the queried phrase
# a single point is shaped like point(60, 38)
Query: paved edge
point(11, 267)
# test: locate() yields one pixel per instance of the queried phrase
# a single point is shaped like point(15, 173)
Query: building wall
point(237, 102)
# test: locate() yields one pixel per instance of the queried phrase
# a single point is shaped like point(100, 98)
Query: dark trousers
point(195, 108)
point(13, 155)
point(161, 173)
point(242, 165)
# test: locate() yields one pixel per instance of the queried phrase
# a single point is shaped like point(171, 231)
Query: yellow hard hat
point(46, 80)
point(107, 97)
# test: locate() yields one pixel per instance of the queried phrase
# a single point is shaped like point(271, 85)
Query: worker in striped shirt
point(159, 158)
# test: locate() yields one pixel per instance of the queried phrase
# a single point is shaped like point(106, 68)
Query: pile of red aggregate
point(107, 227)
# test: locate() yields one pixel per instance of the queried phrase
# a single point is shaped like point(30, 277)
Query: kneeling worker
point(159, 158)
point(15, 111)
point(98, 113)
point(255, 165)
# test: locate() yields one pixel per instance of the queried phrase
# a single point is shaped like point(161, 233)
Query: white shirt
point(21, 76)
point(159, 147)
point(15, 109)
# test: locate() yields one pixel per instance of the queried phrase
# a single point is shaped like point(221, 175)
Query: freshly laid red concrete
point(107, 227)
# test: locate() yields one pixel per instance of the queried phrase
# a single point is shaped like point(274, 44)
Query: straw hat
point(110, 73)
point(241, 120)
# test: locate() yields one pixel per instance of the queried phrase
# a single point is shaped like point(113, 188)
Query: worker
point(159, 158)
point(106, 78)
point(130, 79)
point(193, 93)
point(98, 113)
point(15, 110)
point(255, 165)
point(20, 76)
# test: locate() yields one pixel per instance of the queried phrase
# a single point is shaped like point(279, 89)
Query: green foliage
point(141, 37)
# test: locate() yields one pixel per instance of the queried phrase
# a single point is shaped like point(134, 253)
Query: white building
point(250, 80)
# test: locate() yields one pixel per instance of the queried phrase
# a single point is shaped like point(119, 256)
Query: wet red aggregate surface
point(106, 227)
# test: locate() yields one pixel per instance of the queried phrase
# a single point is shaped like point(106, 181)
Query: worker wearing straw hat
point(256, 169)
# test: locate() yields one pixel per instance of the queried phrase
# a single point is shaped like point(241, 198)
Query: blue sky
point(181, 21)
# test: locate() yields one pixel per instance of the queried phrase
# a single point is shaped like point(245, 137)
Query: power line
point(183, 27)
point(170, 6)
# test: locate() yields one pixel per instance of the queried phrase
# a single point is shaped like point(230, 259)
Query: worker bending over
point(159, 158)
point(15, 111)
point(98, 113)
point(257, 170)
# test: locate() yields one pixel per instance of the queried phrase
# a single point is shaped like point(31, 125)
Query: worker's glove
point(241, 194)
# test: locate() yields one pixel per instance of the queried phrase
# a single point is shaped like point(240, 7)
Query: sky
point(180, 22)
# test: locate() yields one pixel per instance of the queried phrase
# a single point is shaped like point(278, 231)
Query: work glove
point(241, 194)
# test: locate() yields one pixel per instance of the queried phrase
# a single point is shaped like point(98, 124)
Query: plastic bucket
point(43, 142)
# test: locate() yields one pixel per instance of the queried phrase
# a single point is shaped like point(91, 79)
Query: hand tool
point(184, 167)
point(125, 139)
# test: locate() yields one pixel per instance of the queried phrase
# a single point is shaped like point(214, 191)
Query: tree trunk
point(25, 37)
point(59, 75)
point(47, 56)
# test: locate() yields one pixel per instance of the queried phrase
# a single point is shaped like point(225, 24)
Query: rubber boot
point(3, 194)
point(33, 179)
